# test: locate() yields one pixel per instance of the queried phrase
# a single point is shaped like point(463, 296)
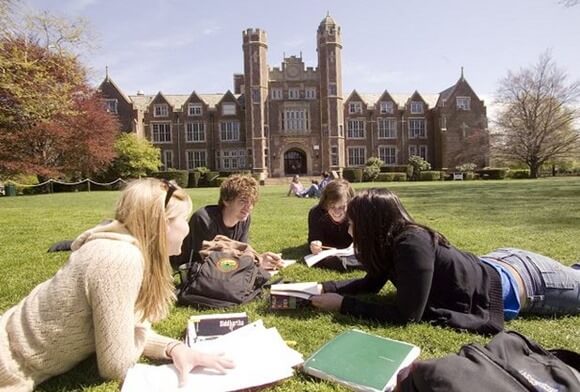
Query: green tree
point(538, 115)
point(136, 157)
point(417, 165)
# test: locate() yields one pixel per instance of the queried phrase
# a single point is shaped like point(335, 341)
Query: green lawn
point(539, 215)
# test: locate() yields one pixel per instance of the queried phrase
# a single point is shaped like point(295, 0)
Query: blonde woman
point(116, 281)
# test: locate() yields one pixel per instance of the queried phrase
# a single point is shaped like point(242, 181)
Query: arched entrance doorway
point(294, 162)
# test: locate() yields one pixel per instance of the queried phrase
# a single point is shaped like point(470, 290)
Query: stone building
point(294, 119)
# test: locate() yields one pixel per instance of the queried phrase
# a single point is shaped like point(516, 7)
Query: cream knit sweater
point(87, 307)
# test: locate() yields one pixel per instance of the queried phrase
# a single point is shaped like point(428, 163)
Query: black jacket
point(435, 283)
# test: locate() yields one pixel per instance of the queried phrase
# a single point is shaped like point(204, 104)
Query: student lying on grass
point(116, 281)
point(439, 283)
point(328, 225)
point(230, 217)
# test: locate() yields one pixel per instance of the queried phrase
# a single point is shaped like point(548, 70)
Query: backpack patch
point(227, 264)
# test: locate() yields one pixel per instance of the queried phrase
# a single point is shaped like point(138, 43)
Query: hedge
point(430, 175)
point(383, 177)
point(519, 173)
point(352, 174)
point(394, 169)
point(181, 177)
point(492, 173)
point(400, 176)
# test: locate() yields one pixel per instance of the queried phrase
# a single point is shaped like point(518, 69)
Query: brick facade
point(295, 119)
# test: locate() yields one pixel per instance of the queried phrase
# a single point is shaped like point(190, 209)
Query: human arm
point(315, 232)
point(413, 261)
point(113, 280)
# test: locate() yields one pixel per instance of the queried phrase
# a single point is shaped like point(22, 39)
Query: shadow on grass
point(85, 374)
point(296, 252)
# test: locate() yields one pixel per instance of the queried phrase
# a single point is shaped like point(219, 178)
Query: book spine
point(281, 302)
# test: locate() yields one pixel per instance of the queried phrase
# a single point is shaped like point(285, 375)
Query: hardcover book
point(361, 361)
point(208, 326)
point(292, 295)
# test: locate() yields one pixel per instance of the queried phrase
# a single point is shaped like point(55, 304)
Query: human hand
point(186, 359)
point(330, 302)
point(315, 247)
point(271, 261)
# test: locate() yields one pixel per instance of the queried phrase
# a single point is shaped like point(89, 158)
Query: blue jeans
point(551, 287)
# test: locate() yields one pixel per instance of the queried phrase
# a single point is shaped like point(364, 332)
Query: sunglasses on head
point(171, 188)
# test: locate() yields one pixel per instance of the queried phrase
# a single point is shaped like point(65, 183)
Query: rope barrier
point(49, 181)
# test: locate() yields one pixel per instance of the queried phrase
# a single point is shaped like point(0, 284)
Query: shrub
point(394, 169)
point(519, 173)
point(210, 178)
point(469, 175)
point(372, 169)
point(181, 177)
point(219, 180)
point(466, 167)
point(492, 173)
point(352, 174)
point(193, 181)
point(383, 177)
point(430, 176)
point(417, 165)
point(400, 176)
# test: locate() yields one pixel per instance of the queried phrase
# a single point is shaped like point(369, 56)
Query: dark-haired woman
point(439, 283)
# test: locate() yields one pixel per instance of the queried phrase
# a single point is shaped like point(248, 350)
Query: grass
point(478, 216)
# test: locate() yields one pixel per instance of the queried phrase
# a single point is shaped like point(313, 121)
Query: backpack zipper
point(481, 353)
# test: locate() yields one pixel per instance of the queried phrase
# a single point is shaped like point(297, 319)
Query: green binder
point(361, 361)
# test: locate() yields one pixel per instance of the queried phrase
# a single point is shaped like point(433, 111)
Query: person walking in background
point(117, 280)
point(437, 282)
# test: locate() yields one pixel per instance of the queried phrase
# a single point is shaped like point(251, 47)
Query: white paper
point(310, 260)
point(301, 290)
point(261, 357)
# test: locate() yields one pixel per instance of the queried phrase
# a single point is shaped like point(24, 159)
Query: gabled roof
point(448, 92)
point(177, 101)
point(401, 100)
point(110, 81)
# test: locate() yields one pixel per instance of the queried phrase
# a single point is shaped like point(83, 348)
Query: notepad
point(361, 361)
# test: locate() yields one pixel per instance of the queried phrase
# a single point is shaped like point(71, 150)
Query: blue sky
point(177, 46)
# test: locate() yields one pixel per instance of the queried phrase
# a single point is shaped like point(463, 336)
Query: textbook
point(311, 259)
point(261, 357)
point(292, 295)
point(209, 326)
point(361, 361)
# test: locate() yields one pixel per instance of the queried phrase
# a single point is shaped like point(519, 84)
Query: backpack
point(222, 279)
point(509, 362)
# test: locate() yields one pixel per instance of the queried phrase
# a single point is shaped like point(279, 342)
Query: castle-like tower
point(256, 94)
point(294, 119)
point(329, 48)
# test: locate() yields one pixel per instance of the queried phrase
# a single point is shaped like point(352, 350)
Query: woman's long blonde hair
point(142, 210)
